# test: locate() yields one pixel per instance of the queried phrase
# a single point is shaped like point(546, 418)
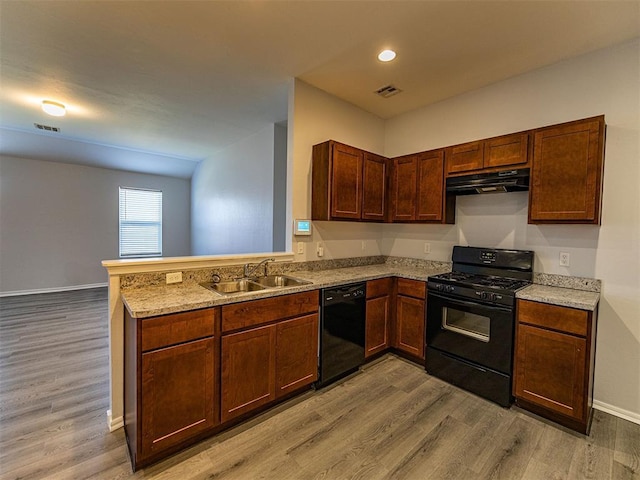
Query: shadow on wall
point(500, 220)
point(614, 338)
point(497, 220)
point(581, 241)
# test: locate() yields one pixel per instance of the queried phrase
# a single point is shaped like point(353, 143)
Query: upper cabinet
point(417, 189)
point(347, 183)
point(404, 188)
point(374, 189)
point(492, 153)
point(568, 163)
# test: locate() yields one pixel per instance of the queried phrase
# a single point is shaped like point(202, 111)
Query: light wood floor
point(391, 421)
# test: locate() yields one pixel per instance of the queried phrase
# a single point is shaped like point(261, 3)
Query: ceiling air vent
point(387, 91)
point(47, 128)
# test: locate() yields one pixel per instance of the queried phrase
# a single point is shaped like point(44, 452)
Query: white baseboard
point(15, 293)
point(114, 423)
point(617, 411)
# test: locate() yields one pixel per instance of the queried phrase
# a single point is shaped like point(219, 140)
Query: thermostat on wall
point(302, 227)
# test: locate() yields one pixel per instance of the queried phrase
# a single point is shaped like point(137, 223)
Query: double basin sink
point(253, 284)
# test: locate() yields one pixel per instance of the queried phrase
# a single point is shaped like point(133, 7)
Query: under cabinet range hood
point(492, 182)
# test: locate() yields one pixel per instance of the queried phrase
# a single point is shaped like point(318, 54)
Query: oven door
point(475, 332)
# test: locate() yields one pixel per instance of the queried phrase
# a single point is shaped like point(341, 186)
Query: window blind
point(140, 222)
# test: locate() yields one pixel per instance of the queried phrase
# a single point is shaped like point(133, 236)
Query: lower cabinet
point(296, 353)
point(171, 382)
point(410, 317)
point(248, 371)
point(378, 310)
point(264, 363)
point(554, 361)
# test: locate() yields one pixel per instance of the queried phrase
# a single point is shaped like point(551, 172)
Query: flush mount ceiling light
point(53, 108)
point(386, 55)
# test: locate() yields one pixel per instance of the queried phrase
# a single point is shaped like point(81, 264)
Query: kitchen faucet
point(248, 272)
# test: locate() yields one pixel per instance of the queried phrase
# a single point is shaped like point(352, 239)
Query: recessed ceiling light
point(53, 108)
point(386, 55)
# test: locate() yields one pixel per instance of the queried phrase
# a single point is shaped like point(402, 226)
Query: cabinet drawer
point(158, 332)
point(412, 288)
point(256, 312)
point(564, 319)
point(378, 288)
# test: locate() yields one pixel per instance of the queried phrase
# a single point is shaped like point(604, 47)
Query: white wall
point(314, 117)
point(605, 82)
point(59, 221)
point(232, 198)
point(280, 188)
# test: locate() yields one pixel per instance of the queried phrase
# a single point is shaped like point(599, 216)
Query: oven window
point(466, 323)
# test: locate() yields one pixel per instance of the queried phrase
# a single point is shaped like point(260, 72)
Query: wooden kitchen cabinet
point(418, 189)
point(269, 349)
point(171, 381)
point(404, 188)
point(378, 315)
point(296, 353)
point(489, 154)
point(248, 371)
point(566, 178)
point(374, 187)
point(410, 317)
point(554, 362)
point(432, 203)
point(347, 183)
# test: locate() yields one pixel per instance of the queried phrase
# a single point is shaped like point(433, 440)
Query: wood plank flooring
point(390, 421)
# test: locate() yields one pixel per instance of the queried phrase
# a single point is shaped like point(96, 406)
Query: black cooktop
point(472, 280)
point(485, 273)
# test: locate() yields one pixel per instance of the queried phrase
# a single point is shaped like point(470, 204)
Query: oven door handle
point(466, 302)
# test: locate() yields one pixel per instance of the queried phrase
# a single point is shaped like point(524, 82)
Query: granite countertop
point(155, 300)
point(565, 297)
point(148, 301)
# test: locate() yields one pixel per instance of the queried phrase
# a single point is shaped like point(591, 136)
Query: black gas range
point(471, 319)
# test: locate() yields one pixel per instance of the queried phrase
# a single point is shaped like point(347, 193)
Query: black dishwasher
point(342, 327)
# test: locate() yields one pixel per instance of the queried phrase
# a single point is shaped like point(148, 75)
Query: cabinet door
point(403, 189)
point(506, 151)
point(346, 182)
point(567, 173)
point(550, 370)
point(178, 397)
point(377, 326)
point(465, 157)
point(430, 186)
point(296, 353)
point(410, 319)
point(248, 371)
point(374, 188)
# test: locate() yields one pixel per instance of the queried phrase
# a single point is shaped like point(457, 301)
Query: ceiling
point(157, 86)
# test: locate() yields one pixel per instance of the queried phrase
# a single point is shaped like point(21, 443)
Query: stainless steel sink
point(274, 281)
point(234, 286)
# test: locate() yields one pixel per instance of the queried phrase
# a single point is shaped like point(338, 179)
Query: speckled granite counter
point(160, 299)
point(154, 300)
point(566, 297)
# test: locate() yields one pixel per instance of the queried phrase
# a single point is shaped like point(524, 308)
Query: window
point(140, 222)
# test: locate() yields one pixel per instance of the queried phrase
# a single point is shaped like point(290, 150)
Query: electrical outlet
point(300, 247)
point(363, 245)
point(564, 259)
point(320, 249)
point(427, 247)
point(174, 277)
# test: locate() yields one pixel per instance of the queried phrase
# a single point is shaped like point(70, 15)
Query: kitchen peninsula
point(146, 294)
